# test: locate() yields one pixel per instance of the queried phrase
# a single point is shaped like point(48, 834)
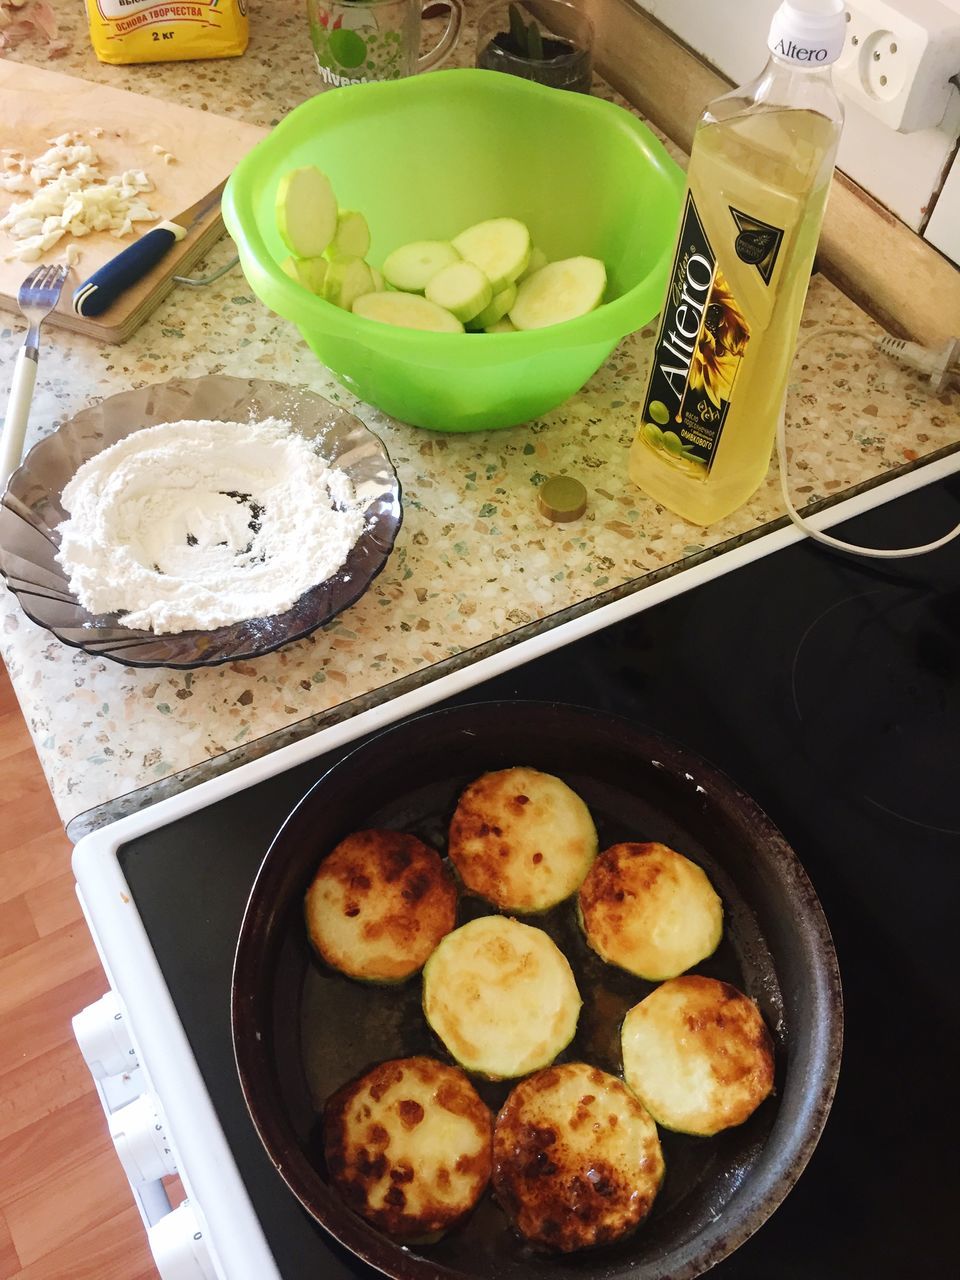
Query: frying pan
point(301, 1030)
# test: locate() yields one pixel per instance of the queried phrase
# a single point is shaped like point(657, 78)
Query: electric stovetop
point(828, 688)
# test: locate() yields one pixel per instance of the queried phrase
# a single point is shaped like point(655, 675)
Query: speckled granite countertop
point(475, 567)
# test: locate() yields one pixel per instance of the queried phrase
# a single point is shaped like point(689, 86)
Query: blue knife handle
point(103, 288)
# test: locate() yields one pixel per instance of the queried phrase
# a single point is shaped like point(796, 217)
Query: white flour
point(195, 525)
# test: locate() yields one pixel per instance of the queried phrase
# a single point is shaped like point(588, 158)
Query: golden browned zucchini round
point(408, 1146)
point(576, 1158)
point(379, 904)
point(697, 1054)
point(501, 996)
point(650, 910)
point(522, 839)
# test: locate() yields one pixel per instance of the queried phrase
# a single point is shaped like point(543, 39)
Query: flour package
point(171, 31)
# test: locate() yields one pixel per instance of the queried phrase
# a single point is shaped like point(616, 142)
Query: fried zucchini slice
point(522, 839)
point(697, 1054)
point(576, 1158)
point(409, 1146)
point(379, 904)
point(649, 910)
point(501, 996)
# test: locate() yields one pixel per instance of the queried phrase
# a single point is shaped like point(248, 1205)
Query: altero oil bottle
point(757, 183)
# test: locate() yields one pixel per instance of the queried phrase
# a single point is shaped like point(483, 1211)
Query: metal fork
point(38, 296)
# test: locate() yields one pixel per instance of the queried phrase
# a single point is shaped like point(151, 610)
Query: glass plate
point(31, 511)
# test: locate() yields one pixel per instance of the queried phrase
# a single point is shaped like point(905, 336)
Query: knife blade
point(101, 290)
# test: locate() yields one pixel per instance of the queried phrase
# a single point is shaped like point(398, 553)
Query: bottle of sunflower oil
point(757, 183)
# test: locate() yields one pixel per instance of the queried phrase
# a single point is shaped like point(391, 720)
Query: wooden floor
point(66, 1211)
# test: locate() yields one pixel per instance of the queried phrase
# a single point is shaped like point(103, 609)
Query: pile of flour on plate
point(194, 525)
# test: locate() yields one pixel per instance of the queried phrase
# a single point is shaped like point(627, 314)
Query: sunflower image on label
point(702, 340)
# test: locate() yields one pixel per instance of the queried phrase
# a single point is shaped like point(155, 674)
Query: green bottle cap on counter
point(562, 498)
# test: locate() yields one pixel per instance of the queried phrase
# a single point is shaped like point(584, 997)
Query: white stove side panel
point(204, 1161)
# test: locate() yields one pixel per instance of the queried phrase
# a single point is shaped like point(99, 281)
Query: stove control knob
point(104, 1040)
point(179, 1247)
point(139, 1133)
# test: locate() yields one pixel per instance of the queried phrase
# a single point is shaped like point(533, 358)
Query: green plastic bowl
point(427, 156)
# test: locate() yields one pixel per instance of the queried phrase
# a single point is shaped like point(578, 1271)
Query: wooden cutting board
point(37, 106)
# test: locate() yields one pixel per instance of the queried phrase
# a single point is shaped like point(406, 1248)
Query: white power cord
point(941, 367)
point(918, 358)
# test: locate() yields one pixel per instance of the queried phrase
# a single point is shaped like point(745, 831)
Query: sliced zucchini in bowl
point(352, 236)
point(306, 211)
point(407, 310)
point(496, 309)
point(501, 996)
point(500, 247)
point(310, 272)
point(347, 279)
point(559, 291)
point(411, 267)
point(462, 289)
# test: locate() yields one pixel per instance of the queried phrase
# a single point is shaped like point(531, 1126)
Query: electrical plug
point(942, 367)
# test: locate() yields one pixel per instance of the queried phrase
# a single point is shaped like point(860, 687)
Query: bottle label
point(757, 243)
point(702, 340)
point(808, 39)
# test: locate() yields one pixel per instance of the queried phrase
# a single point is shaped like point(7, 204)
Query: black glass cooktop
point(829, 689)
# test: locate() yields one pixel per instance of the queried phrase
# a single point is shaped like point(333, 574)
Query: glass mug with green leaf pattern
point(355, 41)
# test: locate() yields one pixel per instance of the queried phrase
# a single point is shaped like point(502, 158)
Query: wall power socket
point(898, 60)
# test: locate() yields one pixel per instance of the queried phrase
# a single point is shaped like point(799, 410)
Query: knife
point(102, 289)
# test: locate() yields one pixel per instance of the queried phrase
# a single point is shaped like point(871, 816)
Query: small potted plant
point(549, 41)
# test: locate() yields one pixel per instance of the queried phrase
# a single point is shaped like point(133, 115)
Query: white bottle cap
point(808, 33)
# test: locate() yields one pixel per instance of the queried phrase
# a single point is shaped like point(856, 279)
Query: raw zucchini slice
point(500, 247)
point(306, 211)
point(650, 910)
point(346, 280)
point(379, 904)
point(505, 325)
point(310, 272)
point(352, 236)
point(538, 259)
point(559, 291)
point(462, 289)
point(576, 1158)
point(697, 1054)
point(412, 266)
point(408, 1146)
point(408, 310)
point(522, 839)
point(496, 308)
point(501, 996)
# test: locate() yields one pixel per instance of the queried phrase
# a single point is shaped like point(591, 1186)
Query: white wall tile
point(902, 170)
point(943, 229)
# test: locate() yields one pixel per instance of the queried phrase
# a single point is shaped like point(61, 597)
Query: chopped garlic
point(16, 182)
point(69, 196)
